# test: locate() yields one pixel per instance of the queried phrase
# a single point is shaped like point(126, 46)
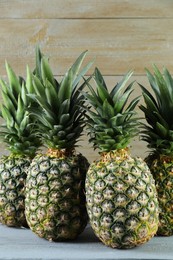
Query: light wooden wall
point(120, 34)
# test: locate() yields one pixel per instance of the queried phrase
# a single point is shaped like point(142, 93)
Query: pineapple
point(158, 133)
point(18, 132)
point(120, 191)
point(55, 198)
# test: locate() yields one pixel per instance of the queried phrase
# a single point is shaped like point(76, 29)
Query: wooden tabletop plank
point(22, 244)
point(85, 9)
point(117, 45)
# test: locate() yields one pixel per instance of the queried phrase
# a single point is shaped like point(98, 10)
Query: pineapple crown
point(38, 71)
point(111, 123)
point(60, 114)
point(158, 111)
point(19, 129)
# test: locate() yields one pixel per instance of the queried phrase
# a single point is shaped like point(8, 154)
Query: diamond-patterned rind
point(122, 202)
point(55, 198)
point(13, 172)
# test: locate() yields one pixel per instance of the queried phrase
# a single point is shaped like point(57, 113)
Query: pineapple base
point(13, 172)
point(55, 198)
point(162, 170)
point(121, 200)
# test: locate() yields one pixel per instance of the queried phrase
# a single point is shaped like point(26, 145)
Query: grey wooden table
point(23, 244)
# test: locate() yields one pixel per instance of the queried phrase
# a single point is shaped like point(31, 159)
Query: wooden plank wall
point(120, 34)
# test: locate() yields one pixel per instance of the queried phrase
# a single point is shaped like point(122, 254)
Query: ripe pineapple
point(18, 133)
point(158, 133)
point(120, 190)
point(55, 199)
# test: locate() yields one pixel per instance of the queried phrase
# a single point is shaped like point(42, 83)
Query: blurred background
point(122, 35)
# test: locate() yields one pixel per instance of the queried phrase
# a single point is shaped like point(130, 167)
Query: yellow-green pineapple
point(55, 198)
point(158, 133)
point(18, 132)
point(120, 191)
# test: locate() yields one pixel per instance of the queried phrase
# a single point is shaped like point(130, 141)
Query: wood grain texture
point(118, 45)
point(60, 9)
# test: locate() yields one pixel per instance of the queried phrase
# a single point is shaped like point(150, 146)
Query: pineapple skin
point(55, 197)
point(121, 200)
point(162, 171)
point(13, 172)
